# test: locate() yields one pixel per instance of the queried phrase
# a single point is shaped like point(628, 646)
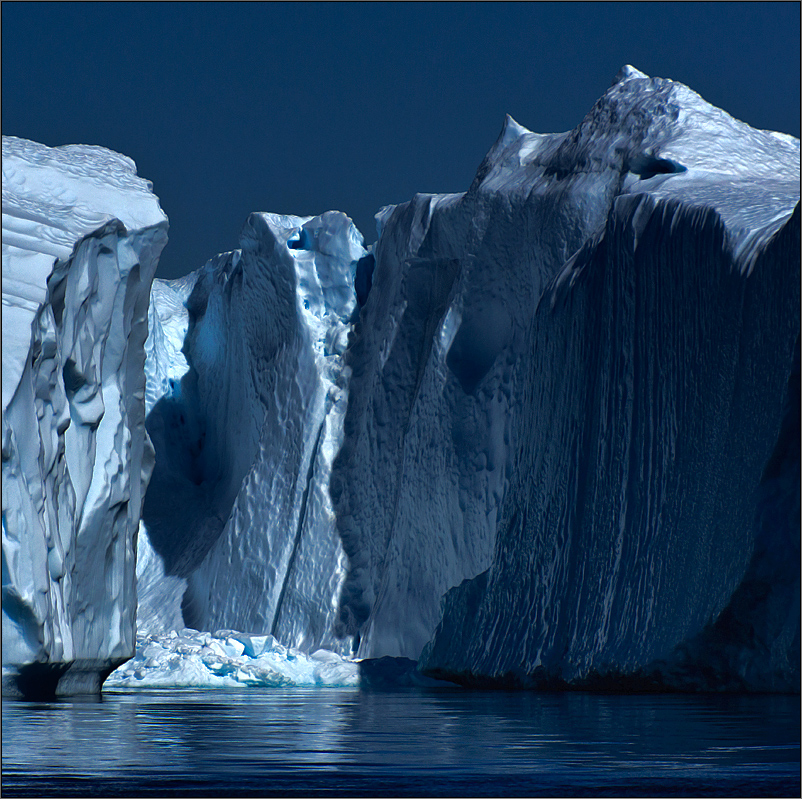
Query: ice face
point(650, 403)
point(245, 428)
point(446, 345)
point(629, 524)
point(84, 236)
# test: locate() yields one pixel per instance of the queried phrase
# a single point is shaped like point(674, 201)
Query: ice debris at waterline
point(227, 659)
point(541, 434)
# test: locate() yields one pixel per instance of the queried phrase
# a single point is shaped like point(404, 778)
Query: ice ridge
point(245, 435)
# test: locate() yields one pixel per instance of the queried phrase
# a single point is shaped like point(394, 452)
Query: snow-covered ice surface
point(650, 402)
point(81, 239)
point(227, 659)
point(245, 424)
point(52, 197)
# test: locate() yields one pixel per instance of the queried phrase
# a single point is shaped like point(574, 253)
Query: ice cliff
point(544, 433)
point(81, 240)
point(245, 427)
point(651, 399)
point(571, 375)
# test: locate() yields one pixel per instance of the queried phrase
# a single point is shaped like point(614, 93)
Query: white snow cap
point(52, 197)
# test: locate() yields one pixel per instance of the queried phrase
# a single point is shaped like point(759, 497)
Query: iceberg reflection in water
point(448, 742)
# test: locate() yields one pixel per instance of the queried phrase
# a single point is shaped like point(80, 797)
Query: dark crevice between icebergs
point(363, 280)
point(392, 673)
point(37, 682)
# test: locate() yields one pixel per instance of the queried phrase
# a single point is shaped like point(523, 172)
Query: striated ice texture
point(655, 480)
point(227, 659)
point(81, 238)
point(159, 595)
point(248, 392)
point(447, 350)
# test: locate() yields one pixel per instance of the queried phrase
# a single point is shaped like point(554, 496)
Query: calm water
point(445, 742)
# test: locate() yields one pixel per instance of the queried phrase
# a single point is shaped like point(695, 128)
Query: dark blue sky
point(300, 108)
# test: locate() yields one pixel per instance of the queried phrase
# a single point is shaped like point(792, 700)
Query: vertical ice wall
point(754, 644)
point(656, 369)
point(238, 506)
point(426, 454)
point(444, 350)
point(656, 398)
point(159, 595)
point(81, 239)
point(428, 447)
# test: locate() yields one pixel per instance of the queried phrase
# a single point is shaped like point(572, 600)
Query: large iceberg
point(651, 402)
point(81, 239)
point(246, 395)
point(533, 351)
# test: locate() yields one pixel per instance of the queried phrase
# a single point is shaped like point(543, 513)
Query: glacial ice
point(227, 659)
point(651, 399)
point(245, 377)
point(81, 239)
point(544, 433)
point(446, 347)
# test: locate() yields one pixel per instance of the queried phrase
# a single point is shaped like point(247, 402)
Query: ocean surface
point(439, 742)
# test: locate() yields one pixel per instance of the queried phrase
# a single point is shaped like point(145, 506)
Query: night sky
point(300, 108)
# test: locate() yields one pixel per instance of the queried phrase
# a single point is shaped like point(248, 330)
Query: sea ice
point(227, 659)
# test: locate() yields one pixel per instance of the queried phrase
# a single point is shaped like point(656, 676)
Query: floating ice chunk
point(227, 659)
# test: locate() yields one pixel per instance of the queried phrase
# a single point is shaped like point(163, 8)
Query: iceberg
point(81, 239)
point(246, 392)
point(654, 458)
point(466, 325)
point(543, 433)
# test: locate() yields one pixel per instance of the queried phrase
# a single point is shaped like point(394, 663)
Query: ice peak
point(510, 132)
point(627, 72)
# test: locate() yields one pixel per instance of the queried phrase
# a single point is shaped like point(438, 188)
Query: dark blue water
point(417, 743)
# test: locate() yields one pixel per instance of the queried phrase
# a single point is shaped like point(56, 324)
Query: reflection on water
point(446, 742)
